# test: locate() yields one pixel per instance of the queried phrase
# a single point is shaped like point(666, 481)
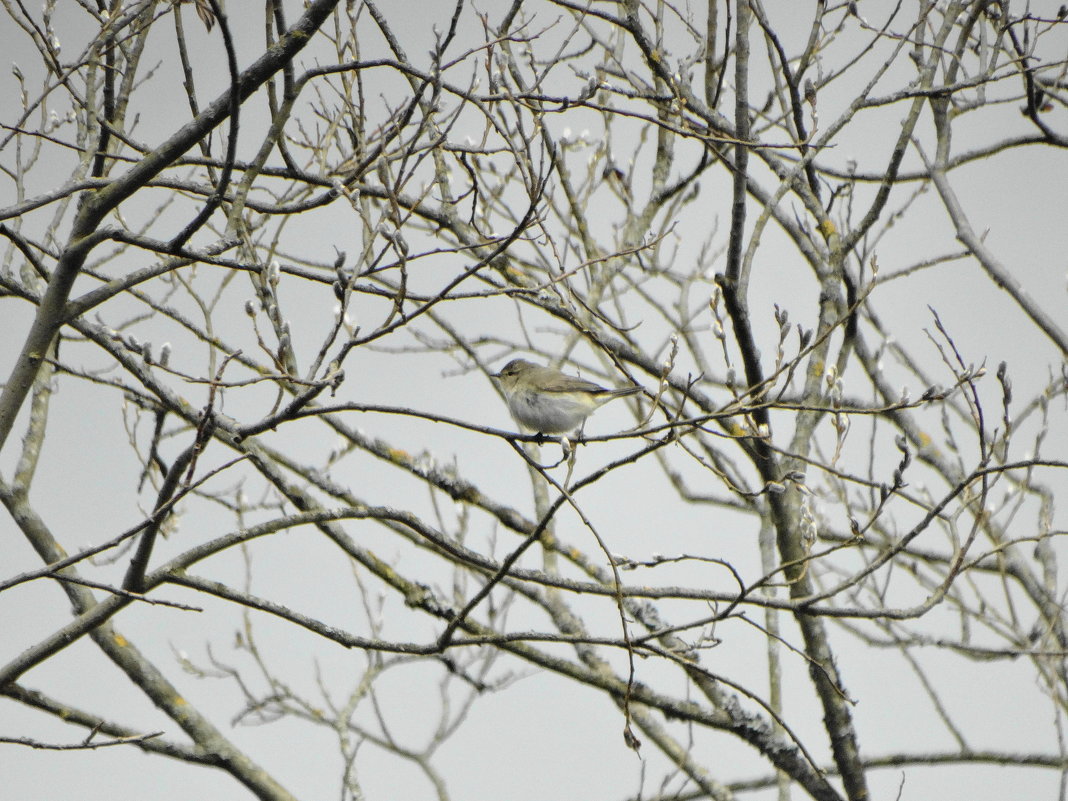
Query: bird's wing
point(569, 383)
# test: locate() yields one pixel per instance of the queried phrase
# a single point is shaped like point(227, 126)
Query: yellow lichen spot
point(397, 455)
point(925, 440)
point(179, 701)
point(120, 641)
point(827, 228)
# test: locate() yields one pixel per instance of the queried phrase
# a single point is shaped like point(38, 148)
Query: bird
point(547, 401)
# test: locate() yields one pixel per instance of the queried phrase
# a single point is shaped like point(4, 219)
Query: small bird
point(547, 401)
